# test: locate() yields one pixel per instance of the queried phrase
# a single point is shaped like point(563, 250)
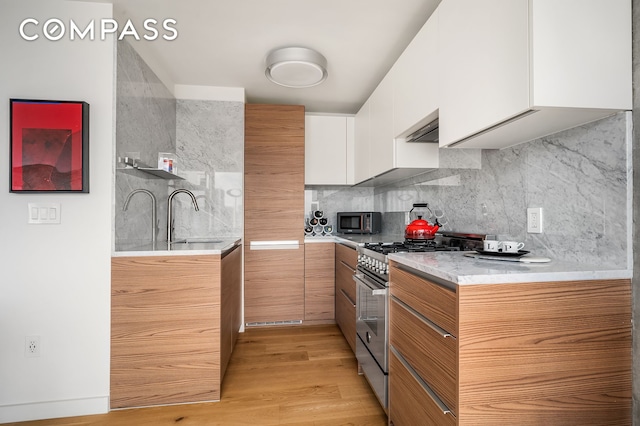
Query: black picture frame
point(49, 146)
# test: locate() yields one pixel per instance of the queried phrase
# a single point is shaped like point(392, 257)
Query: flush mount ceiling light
point(296, 67)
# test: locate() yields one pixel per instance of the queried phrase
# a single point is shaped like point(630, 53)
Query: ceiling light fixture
point(296, 67)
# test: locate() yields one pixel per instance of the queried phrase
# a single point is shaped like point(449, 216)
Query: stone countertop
point(460, 269)
point(196, 246)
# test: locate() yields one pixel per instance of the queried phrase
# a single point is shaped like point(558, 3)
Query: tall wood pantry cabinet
point(274, 213)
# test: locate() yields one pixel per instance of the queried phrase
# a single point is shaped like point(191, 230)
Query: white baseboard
point(54, 409)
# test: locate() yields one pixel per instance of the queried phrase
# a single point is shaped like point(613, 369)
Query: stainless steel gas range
point(372, 294)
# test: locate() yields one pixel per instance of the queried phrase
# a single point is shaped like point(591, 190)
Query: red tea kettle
point(420, 229)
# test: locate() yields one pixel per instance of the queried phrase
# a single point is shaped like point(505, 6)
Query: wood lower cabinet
point(174, 320)
point(273, 285)
point(345, 265)
point(553, 353)
point(231, 306)
point(319, 282)
point(274, 213)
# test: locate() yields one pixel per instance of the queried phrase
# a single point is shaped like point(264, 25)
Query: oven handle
point(375, 290)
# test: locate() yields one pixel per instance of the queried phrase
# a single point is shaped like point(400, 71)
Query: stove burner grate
point(412, 246)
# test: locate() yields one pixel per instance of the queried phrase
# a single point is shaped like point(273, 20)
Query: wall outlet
point(32, 346)
point(534, 220)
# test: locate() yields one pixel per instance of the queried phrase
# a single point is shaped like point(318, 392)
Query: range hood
point(426, 134)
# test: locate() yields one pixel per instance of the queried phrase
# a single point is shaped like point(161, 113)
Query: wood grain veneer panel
point(231, 305)
point(164, 330)
point(433, 357)
point(346, 319)
point(345, 268)
point(346, 260)
point(440, 306)
point(409, 404)
point(274, 210)
point(347, 255)
point(274, 285)
point(274, 172)
point(545, 353)
point(319, 281)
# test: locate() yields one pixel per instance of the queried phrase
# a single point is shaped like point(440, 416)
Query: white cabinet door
point(415, 81)
point(381, 128)
point(517, 70)
point(325, 150)
point(581, 53)
point(361, 164)
point(484, 60)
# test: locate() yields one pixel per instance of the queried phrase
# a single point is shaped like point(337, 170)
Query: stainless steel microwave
point(359, 222)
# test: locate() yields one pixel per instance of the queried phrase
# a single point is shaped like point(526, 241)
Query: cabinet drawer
point(430, 354)
point(344, 276)
point(346, 317)
point(433, 301)
point(409, 401)
point(346, 254)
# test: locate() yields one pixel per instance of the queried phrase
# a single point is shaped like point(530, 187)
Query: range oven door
point(372, 333)
point(371, 317)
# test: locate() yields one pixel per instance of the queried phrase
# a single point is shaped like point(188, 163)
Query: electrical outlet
point(534, 220)
point(32, 346)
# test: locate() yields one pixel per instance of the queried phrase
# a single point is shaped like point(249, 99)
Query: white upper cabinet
point(381, 152)
point(361, 164)
point(328, 150)
point(415, 81)
point(516, 70)
point(404, 101)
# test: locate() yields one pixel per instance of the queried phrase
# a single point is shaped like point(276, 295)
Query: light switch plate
point(43, 213)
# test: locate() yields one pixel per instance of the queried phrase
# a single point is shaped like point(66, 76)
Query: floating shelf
point(159, 173)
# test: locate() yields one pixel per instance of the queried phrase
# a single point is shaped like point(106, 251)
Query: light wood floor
point(303, 375)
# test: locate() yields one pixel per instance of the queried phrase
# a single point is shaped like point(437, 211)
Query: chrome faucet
point(170, 211)
point(153, 210)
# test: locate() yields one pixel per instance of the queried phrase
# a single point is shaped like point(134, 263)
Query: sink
point(205, 240)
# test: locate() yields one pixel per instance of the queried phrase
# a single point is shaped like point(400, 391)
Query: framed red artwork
point(49, 146)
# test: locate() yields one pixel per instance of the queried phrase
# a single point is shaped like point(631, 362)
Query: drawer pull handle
point(443, 333)
point(441, 405)
point(347, 266)
point(344, 293)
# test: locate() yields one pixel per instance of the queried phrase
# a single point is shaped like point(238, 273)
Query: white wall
point(55, 279)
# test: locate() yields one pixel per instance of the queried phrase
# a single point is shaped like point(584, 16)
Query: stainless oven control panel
point(374, 265)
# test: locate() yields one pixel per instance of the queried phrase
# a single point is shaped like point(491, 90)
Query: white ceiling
point(225, 43)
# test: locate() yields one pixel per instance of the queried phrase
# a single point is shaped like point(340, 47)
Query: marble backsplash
point(210, 149)
point(581, 177)
point(145, 124)
point(207, 138)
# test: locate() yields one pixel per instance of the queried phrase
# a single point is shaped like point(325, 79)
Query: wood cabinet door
point(230, 306)
point(274, 173)
point(319, 281)
point(274, 285)
point(345, 265)
point(274, 211)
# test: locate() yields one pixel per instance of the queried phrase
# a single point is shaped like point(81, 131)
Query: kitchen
point(477, 202)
